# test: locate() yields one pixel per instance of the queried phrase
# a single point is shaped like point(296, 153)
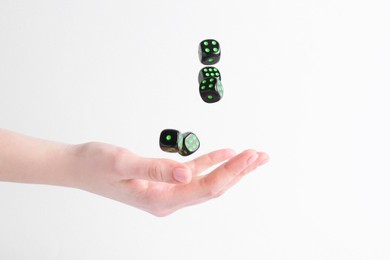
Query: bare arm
point(158, 186)
point(31, 160)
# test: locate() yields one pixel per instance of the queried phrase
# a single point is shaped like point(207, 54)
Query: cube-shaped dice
point(173, 141)
point(211, 90)
point(169, 140)
point(208, 72)
point(188, 144)
point(209, 52)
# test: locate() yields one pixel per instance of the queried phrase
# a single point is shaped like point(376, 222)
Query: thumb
point(161, 170)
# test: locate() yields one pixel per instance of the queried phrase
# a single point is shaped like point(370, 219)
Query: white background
point(305, 81)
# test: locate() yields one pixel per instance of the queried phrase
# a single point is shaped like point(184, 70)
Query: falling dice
point(188, 144)
point(173, 141)
point(169, 139)
point(209, 52)
point(208, 72)
point(211, 90)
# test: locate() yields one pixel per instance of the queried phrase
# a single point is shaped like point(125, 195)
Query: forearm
point(31, 160)
point(150, 184)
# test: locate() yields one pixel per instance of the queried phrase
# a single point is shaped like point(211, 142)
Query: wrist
point(90, 165)
point(64, 168)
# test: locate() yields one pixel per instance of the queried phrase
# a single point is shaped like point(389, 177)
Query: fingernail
point(252, 159)
point(181, 175)
point(264, 158)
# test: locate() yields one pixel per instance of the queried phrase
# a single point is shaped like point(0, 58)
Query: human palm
point(161, 186)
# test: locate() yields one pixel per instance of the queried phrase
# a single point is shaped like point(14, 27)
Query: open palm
point(156, 185)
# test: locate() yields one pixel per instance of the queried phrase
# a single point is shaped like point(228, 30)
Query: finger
point(209, 186)
point(261, 160)
point(203, 162)
point(213, 183)
point(159, 170)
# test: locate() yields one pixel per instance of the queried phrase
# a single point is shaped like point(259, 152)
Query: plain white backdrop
point(305, 81)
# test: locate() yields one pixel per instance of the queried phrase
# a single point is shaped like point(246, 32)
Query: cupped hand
point(159, 186)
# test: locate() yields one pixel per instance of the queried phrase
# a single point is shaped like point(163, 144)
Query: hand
point(159, 186)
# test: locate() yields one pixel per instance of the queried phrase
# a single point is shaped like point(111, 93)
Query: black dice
point(173, 141)
point(169, 140)
point(209, 52)
point(211, 90)
point(188, 144)
point(208, 72)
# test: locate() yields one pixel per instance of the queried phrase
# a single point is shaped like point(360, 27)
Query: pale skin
point(155, 185)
